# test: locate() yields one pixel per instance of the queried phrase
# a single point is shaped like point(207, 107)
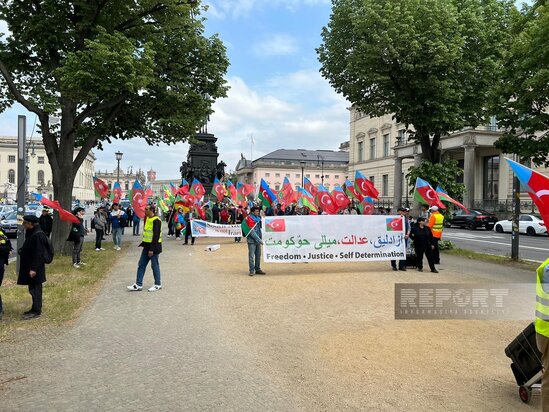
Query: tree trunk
point(430, 149)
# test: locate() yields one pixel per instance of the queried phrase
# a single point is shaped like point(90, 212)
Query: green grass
point(503, 260)
point(66, 293)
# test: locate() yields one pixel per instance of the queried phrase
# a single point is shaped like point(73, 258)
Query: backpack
point(49, 252)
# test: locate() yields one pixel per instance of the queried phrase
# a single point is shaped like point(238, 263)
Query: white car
point(530, 224)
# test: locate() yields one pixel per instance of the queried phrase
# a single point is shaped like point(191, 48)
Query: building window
point(385, 185)
point(277, 174)
point(401, 138)
point(277, 187)
point(317, 176)
point(127, 186)
point(326, 176)
point(372, 179)
point(11, 159)
point(372, 148)
point(298, 175)
point(11, 176)
point(40, 178)
point(308, 176)
point(491, 178)
point(336, 176)
point(267, 175)
point(360, 151)
point(40, 160)
point(287, 175)
point(385, 145)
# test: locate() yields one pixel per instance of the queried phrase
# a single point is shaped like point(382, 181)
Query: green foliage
point(522, 97)
point(429, 62)
point(440, 174)
point(445, 245)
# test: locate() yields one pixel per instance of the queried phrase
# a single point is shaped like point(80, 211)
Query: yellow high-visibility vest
point(436, 224)
point(148, 230)
point(542, 301)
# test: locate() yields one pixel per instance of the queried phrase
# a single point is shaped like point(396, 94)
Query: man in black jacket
point(46, 221)
point(32, 269)
point(422, 237)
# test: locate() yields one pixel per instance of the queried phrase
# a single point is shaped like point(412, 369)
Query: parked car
point(9, 224)
point(34, 209)
point(530, 224)
point(6, 209)
point(475, 219)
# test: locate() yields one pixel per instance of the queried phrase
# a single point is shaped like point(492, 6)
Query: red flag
point(340, 198)
point(325, 201)
point(364, 186)
point(275, 225)
point(198, 189)
point(200, 211)
point(139, 199)
point(218, 190)
point(55, 205)
point(394, 224)
point(309, 187)
point(232, 190)
point(101, 187)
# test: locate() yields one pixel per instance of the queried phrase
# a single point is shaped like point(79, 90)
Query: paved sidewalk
point(304, 337)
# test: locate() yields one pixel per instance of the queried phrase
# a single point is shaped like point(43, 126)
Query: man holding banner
point(251, 228)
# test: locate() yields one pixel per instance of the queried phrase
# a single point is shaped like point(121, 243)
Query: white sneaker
point(115, 248)
point(76, 265)
point(97, 249)
point(177, 238)
point(154, 288)
point(82, 263)
point(135, 287)
point(101, 248)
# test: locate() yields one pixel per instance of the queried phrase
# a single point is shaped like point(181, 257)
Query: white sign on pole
point(333, 238)
point(201, 228)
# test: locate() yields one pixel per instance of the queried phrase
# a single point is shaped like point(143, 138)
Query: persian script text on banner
point(333, 238)
point(200, 228)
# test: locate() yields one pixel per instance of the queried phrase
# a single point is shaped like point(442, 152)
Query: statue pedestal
point(201, 161)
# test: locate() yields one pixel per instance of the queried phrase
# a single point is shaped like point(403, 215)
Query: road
point(534, 248)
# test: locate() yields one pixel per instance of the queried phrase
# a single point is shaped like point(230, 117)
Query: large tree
point(110, 69)
point(522, 98)
point(430, 63)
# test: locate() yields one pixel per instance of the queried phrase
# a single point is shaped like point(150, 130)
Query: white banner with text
point(201, 228)
point(333, 238)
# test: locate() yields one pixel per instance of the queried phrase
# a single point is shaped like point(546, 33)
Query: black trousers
point(35, 290)
point(420, 251)
point(401, 264)
point(188, 234)
point(98, 237)
point(436, 254)
point(2, 269)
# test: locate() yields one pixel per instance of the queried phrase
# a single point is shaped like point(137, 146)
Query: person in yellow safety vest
point(152, 247)
point(542, 328)
point(436, 221)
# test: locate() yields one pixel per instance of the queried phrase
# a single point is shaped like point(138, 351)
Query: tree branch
point(18, 96)
point(97, 107)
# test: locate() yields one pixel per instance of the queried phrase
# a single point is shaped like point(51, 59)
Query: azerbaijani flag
point(309, 187)
point(394, 224)
point(174, 189)
point(340, 198)
point(248, 224)
point(266, 195)
point(138, 199)
point(351, 191)
point(537, 186)
point(101, 188)
point(116, 192)
point(366, 207)
point(424, 193)
point(443, 196)
point(325, 201)
point(197, 189)
point(364, 186)
point(218, 190)
point(275, 225)
point(288, 193)
point(306, 200)
point(232, 190)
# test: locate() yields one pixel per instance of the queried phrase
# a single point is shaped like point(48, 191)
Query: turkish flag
point(368, 209)
point(139, 201)
point(275, 225)
point(219, 191)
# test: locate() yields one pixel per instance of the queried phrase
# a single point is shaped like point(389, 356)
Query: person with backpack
point(5, 250)
point(32, 269)
point(46, 221)
point(99, 224)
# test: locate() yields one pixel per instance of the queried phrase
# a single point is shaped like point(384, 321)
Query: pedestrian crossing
point(469, 236)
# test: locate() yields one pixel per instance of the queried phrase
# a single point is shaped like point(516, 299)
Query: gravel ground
point(312, 337)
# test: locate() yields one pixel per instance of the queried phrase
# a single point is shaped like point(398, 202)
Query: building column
point(397, 184)
point(469, 175)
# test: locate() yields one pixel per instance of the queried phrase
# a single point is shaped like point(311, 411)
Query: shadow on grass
point(66, 293)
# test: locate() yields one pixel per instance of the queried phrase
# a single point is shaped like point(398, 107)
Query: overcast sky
point(276, 92)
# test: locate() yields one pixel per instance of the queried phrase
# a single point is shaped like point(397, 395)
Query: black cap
point(30, 219)
point(420, 219)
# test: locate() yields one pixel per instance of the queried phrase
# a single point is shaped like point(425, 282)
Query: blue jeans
point(136, 227)
point(254, 256)
point(117, 236)
point(142, 265)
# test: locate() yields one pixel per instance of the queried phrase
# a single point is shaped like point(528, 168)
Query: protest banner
point(201, 228)
point(333, 238)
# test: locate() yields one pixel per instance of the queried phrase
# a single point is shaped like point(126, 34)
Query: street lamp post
point(118, 156)
point(320, 162)
point(303, 163)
